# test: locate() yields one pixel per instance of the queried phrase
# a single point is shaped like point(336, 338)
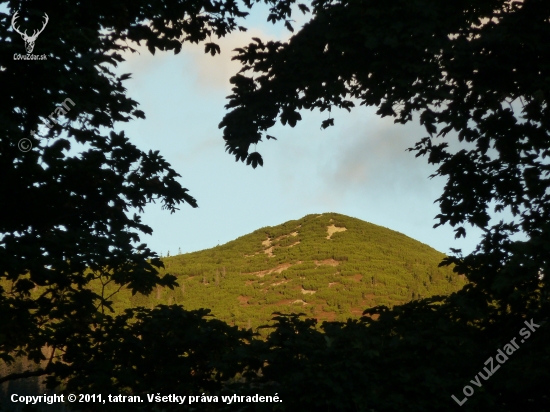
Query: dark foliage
point(475, 68)
point(474, 71)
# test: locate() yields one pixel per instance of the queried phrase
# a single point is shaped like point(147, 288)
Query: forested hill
point(328, 266)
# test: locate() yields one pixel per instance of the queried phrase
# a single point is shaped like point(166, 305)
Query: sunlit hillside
point(328, 266)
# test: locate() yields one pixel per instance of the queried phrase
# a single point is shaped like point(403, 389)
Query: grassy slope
point(329, 279)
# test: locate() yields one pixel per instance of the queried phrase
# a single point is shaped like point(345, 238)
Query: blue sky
point(358, 168)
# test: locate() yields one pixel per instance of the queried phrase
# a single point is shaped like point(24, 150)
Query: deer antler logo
point(29, 40)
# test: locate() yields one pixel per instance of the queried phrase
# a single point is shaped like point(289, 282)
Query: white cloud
point(371, 152)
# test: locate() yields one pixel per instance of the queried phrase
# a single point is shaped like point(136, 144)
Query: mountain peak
point(328, 265)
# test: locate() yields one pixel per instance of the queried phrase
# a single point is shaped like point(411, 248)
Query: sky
point(359, 167)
